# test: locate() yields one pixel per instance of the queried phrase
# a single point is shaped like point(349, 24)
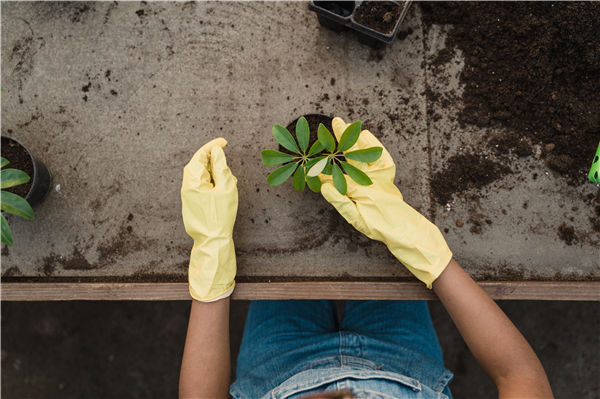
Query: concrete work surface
point(116, 97)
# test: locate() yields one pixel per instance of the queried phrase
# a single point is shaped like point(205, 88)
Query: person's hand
point(209, 201)
point(379, 212)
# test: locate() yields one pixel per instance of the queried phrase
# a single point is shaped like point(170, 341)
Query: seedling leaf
point(16, 205)
point(299, 180)
point(356, 174)
point(3, 162)
point(302, 133)
point(12, 177)
point(281, 174)
point(350, 136)
point(371, 154)
point(327, 170)
point(284, 137)
point(314, 183)
point(339, 181)
point(313, 161)
point(326, 138)
point(272, 157)
point(316, 148)
point(318, 167)
point(6, 234)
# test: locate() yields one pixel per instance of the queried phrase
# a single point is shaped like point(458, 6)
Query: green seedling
point(12, 203)
point(594, 174)
point(323, 157)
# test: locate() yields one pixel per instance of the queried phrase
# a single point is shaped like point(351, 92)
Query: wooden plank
point(521, 290)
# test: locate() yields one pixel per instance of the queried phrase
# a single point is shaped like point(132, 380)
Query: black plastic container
point(340, 15)
point(41, 179)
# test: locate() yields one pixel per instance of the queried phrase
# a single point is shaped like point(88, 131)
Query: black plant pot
point(41, 179)
point(340, 15)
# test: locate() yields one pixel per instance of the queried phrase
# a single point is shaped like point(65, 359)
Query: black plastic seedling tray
point(340, 15)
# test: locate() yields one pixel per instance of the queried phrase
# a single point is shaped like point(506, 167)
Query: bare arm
point(493, 339)
point(205, 365)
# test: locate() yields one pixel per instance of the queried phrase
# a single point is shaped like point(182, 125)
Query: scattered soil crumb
point(12, 272)
point(465, 172)
point(567, 234)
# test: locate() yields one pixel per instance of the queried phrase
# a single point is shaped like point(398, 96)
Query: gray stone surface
point(116, 97)
point(133, 349)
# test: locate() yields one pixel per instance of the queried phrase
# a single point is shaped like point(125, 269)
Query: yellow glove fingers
point(338, 125)
point(196, 174)
point(221, 173)
point(344, 205)
point(384, 167)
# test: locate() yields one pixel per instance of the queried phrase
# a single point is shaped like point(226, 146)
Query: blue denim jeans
point(381, 349)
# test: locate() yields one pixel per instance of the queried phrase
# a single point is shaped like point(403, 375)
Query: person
point(298, 349)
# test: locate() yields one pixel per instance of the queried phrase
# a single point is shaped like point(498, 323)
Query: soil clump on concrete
point(533, 68)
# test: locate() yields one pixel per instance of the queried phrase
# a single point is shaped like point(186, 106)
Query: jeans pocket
point(313, 380)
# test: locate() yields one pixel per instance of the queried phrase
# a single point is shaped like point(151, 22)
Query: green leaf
point(314, 183)
point(280, 175)
point(339, 181)
point(272, 157)
point(316, 148)
point(326, 138)
point(350, 136)
point(327, 170)
point(299, 180)
point(284, 137)
point(3, 162)
point(302, 133)
point(313, 161)
point(317, 167)
point(356, 174)
point(6, 234)
point(16, 205)
point(367, 155)
point(12, 177)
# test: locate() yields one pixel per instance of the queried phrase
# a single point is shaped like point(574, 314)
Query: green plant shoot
point(12, 203)
point(324, 156)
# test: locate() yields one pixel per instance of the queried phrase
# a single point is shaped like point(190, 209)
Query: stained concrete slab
point(116, 97)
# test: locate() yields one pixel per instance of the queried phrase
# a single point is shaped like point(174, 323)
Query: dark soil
point(534, 68)
point(381, 16)
point(465, 172)
point(313, 124)
point(567, 234)
point(18, 158)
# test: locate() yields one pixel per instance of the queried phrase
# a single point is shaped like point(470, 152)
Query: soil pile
point(464, 172)
point(379, 15)
point(532, 67)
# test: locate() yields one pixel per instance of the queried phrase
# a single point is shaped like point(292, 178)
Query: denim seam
point(443, 381)
point(340, 349)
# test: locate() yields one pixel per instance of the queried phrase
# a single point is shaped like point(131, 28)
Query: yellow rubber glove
point(379, 212)
point(209, 200)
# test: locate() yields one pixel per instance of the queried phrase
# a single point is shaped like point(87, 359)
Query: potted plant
point(375, 21)
point(305, 157)
point(19, 192)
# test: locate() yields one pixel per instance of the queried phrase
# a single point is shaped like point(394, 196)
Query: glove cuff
point(212, 270)
point(216, 297)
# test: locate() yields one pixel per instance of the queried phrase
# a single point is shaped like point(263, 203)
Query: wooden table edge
point(335, 290)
